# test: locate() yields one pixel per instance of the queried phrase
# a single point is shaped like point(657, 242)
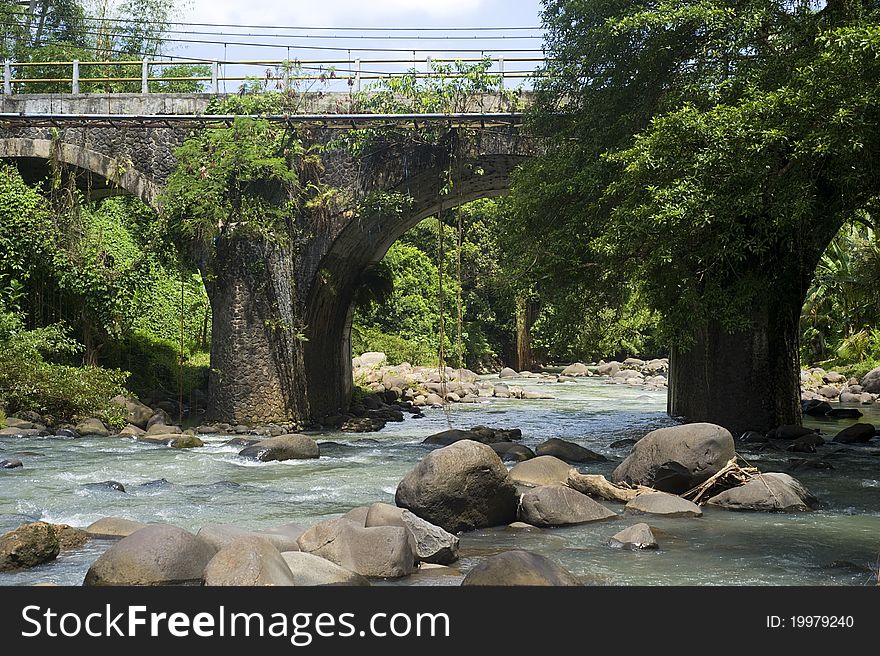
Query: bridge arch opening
point(361, 245)
point(100, 174)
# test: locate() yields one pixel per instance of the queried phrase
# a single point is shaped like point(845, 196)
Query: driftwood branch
point(598, 486)
point(731, 475)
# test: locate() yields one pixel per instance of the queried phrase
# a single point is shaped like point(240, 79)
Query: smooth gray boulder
point(158, 554)
point(634, 538)
point(310, 570)
point(137, 413)
point(661, 503)
point(283, 447)
point(568, 451)
point(576, 369)
point(857, 433)
point(380, 551)
point(507, 372)
point(519, 568)
point(92, 428)
point(221, 535)
point(766, 492)
point(432, 544)
point(248, 561)
point(459, 488)
point(871, 381)
point(558, 505)
point(542, 470)
point(677, 458)
point(511, 451)
point(113, 527)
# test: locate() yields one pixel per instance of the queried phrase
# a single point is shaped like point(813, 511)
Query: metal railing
point(67, 76)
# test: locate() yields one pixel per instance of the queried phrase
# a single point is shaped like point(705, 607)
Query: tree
point(708, 151)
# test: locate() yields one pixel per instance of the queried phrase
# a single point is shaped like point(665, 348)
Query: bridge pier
point(257, 371)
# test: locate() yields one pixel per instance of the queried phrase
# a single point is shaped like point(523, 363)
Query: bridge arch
point(362, 243)
point(120, 173)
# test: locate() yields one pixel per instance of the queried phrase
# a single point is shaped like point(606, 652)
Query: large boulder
point(510, 451)
point(248, 561)
point(431, 543)
point(697, 450)
point(113, 527)
point(661, 503)
point(381, 551)
point(608, 368)
point(507, 372)
point(815, 407)
point(451, 436)
point(767, 492)
point(158, 554)
point(634, 538)
point(558, 505)
point(309, 569)
point(576, 369)
point(519, 568)
point(460, 487)
point(372, 359)
point(220, 536)
point(283, 447)
point(543, 470)
point(92, 428)
point(789, 432)
point(137, 413)
point(28, 545)
point(871, 381)
point(10, 463)
point(568, 451)
point(856, 433)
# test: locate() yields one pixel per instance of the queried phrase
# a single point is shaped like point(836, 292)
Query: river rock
point(158, 554)
point(283, 447)
point(871, 381)
point(558, 505)
point(815, 407)
point(508, 451)
point(431, 543)
point(137, 413)
point(310, 570)
point(221, 535)
point(132, 431)
point(634, 538)
point(576, 369)
point(829, 392)
point(519, 568)
point(843, 413)
point(568, 451)
point(608, 368)
point(248, 561)
point(459, 488)
point(507, 372)
point(434, 399)
point(67, 432)
point(113, 527)
point(501, 391)
point(488, 435)
point(381, 551)
point(698, 450)
point(160, 417)
point(789, 432)
point(847, 397)
point(70, 537)
point(856, 433)
point(622, 444)
point(767, 492)
point(661, 503)
point(92, 428)
point(116, 486)
point(542, 470)
point(447, 437)
point(373, 359)
point(10, 463)
point(28, 545)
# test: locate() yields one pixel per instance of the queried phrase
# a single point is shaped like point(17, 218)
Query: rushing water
point(835, 545)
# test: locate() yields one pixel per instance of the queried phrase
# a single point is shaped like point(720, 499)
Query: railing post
point(501, 71)
point(357, 74)
point(215, 78)
point(285, 76)
point(7, 78)
point(74, 87)
point(145, 76)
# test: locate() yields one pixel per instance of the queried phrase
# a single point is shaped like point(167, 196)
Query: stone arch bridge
point(261, 373)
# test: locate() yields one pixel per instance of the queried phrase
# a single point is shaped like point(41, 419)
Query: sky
point(365, 13)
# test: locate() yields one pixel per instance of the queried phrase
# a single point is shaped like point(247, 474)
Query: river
point(839, 544)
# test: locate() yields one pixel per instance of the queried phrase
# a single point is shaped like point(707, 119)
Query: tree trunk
point(747, 380)
point(525, 317)
point(257, 372)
